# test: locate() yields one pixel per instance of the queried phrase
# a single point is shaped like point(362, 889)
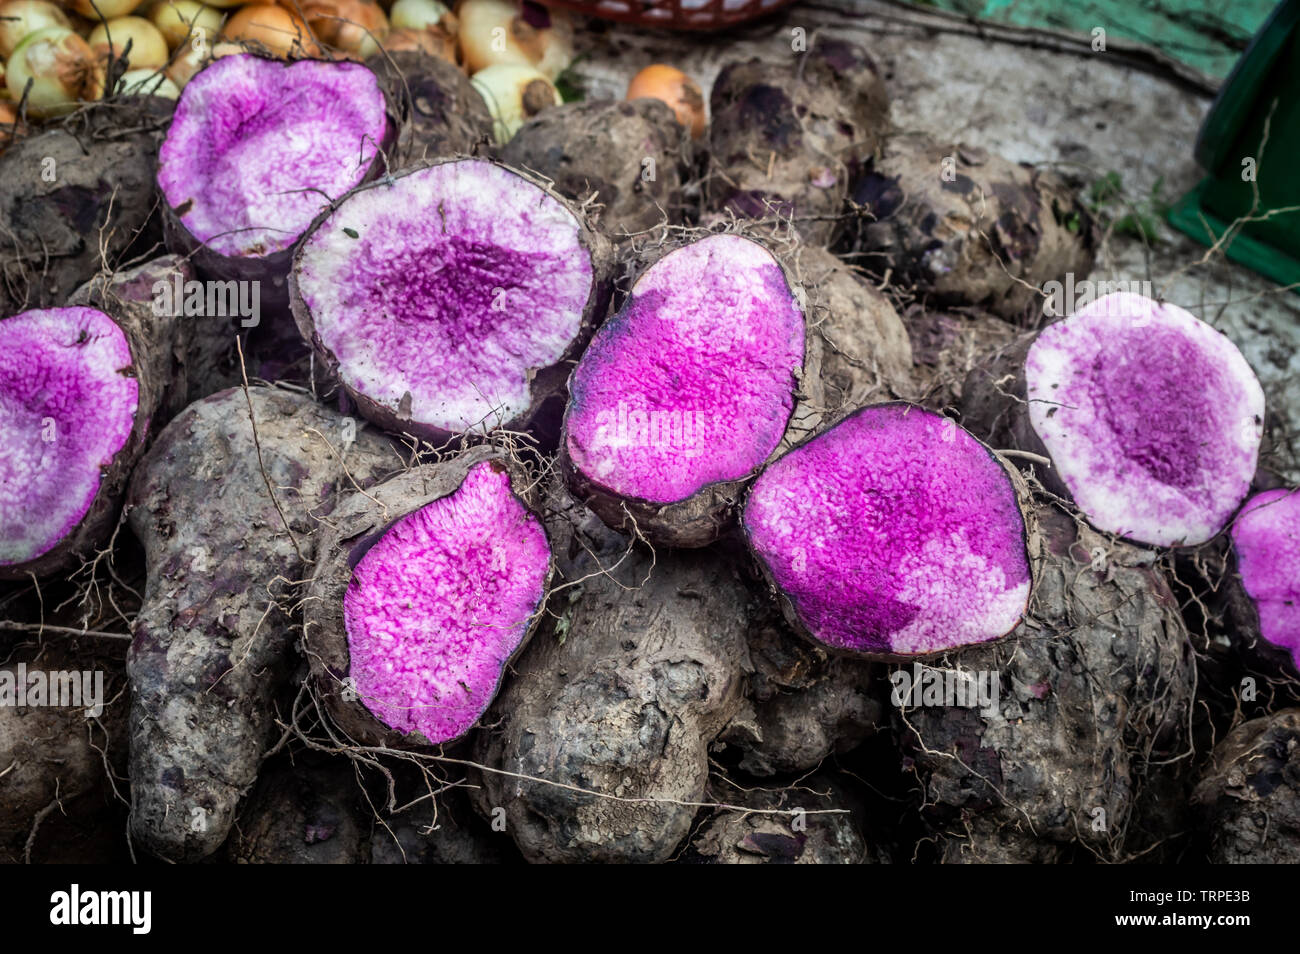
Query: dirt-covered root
point(439, 113)
point(1045, 746)
point(75, 198)
point(963, 227)
point(816, 822)
point(304, 812)
point(706, 372)
point(80, 391)
point(597, 748)
point(425, 587)
point(866, 354)
point(62, 752)
point(453, 298)
point(628, 158)
point(443, 830)
point(228, 505)
point(1248, 799)
point(804, 705)
point(789, 140)
point(185, 352)
point(1279, 451)
point(1240, 674)
point(947, 347)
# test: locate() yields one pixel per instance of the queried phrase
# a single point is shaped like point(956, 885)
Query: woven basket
point(673, 14)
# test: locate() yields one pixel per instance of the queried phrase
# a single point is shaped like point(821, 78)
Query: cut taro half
point(256, 149)
point(1152, 418)
point(411, 621)
point(451, 298)
point(893, 534)
point(1266, 539)
point(688, 390)
point(69, 416)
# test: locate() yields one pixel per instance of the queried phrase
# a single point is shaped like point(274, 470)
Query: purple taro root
point(1266, 538)
point(1151, 417)
point(687, 391)
point(451, 298)
point(257, 149)
point(412, 620)
point(893, 534)
point(73, 417)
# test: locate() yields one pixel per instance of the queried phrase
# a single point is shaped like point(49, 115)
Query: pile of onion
point(178, 20)
point(351, 26)
point(134, 39)
point(272, 28)
point(533, 36)
point(514, 94)
point(20, 18)
point(61, 68)
point(679, 91)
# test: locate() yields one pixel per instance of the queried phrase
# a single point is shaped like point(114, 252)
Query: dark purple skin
point(208, 215)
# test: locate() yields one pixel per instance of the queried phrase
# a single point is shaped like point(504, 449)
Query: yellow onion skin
point(19, 18)
point(63, 70)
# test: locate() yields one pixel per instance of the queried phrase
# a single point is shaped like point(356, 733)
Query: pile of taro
point(614, 494)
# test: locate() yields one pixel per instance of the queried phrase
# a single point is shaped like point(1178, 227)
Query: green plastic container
point(1267, 77)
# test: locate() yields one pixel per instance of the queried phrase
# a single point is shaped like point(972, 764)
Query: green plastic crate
point(1266, 78)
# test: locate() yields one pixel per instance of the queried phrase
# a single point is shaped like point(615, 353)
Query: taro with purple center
point(1151, 417)
point(693, 382)
point(894, 533)
point(258, 148)
point(1266, 538)
point(68, 402)
point(439, 604)
point(445, 295)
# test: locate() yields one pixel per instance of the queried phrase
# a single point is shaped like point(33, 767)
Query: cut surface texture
point(894, 533)
point(258, 148)
point(1151, 417)
point(68, 401)
point(694, 381)
point(440, 294)
point(1266, 537)
point(439, 604)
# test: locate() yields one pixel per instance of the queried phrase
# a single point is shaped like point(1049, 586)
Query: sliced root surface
point(257, 148)
point(894, 533)
point(1266, 539)
point(1145, 454)
point(68, 401)
point(440, 603)
point(691, 385)
point(447, 296)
